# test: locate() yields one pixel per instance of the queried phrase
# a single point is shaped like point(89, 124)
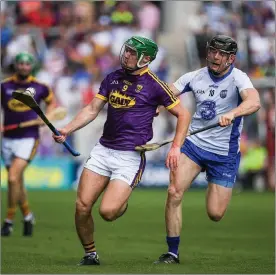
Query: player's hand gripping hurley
point(28, 100)
point(154, 146)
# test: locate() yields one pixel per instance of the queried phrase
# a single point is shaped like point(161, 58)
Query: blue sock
point(173, 243)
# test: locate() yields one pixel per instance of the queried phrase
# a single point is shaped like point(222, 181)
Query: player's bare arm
point(174, 90)
point(183, 121)
point(250, 104)
point(84, 117)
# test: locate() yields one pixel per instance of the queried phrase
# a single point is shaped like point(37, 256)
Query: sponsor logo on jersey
point(138, 88)
point(207, 109)
point(223, 93)
point(17, 106)
point(118, 100)
point(127, 82)
point(213, 86)
point(115, 82)
point(201, 92)
point(211, 92)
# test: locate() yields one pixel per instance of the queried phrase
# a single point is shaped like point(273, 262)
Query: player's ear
point(146, 59)
point(232, 58)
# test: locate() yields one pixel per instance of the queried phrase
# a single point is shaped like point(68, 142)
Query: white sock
point(29, 217)
point(173, 254)
point(91, 253)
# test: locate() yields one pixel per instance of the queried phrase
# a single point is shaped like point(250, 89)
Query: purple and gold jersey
point(132, 102)
point(16, 112)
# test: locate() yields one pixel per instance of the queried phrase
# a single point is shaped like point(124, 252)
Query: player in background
point(133, 94)
point(223, 94)
point(19, 146)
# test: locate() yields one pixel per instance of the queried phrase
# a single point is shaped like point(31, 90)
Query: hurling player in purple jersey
point(19, 146)
point(133, 94)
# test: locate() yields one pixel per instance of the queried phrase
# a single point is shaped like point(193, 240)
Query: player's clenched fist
point(173, 157)
point(63, 134)
point(226, 119)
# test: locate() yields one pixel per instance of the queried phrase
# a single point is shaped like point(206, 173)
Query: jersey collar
point(144, 71)
point(29, 79)
point(219, 78)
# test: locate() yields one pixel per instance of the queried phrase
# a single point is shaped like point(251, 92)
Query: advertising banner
point(47, 173)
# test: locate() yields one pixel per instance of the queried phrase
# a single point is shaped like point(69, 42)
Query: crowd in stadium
point(74, 44)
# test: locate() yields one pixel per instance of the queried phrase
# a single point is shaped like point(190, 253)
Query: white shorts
point(127, 166)
point(24, 148)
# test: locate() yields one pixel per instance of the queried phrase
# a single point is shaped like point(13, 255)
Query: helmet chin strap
point(130, 70)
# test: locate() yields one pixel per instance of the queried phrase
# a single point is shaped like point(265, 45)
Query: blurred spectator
point(122, 14)
point(54, 62)
point(196, 22)
point(6, 31)
point(6, 34)
point(149, 19)
point(84, 15)
point(22, 41)
point(252, 164)
point(201, 41)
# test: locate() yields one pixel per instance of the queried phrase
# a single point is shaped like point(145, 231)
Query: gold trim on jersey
point(50, 96)
point(101, 97)
point(7, 79)
point(164, 86)
point(140, 171)
point(172, 105)
point(29, 79)
point(144, 71)
point(34, 150)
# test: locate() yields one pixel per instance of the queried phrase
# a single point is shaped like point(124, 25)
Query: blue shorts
point(221, 170)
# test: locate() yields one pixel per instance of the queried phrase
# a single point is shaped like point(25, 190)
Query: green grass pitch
point(243, 242)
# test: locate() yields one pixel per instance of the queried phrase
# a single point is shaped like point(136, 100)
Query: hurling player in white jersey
point(223, 94)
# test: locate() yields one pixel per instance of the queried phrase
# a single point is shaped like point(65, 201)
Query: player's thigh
point(16, 169)
point(189, 167)
point(127, 170)
point(91, 185)
point(221, 172)
point(217, 200)
point(94, 178)
point(115, 196)
point(182, 177)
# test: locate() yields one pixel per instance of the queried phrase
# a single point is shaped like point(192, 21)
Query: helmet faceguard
point(226, 46)
point(141, 47)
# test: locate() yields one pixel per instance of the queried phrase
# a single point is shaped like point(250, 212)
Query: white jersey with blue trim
point(215, 96)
